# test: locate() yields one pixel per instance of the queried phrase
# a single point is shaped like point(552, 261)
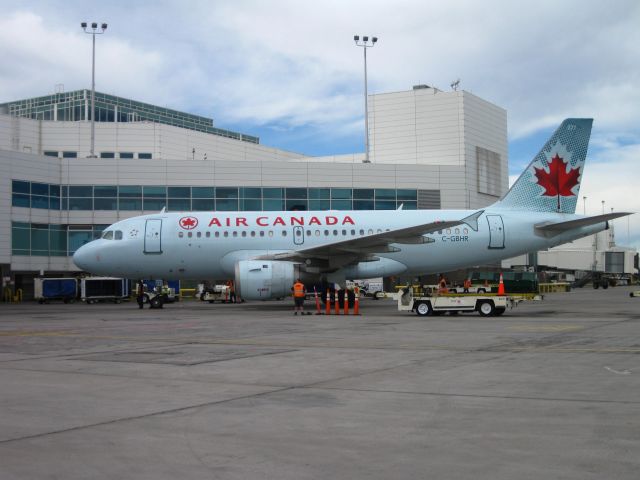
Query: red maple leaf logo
point(557, 182)
point(188, 223)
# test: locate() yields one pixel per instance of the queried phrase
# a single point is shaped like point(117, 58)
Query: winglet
point(472, 220)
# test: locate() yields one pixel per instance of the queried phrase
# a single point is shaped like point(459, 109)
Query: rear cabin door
point(496, 231)
point(153, 236)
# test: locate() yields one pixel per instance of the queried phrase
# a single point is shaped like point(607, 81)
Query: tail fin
point(551, 182)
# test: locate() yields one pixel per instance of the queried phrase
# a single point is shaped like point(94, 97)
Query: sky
point(289, 72)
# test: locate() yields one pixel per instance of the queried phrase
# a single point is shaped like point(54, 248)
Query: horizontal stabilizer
point(553, 229)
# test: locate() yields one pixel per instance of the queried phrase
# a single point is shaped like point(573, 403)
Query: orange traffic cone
point(327, 305)
point(346, 302)
point(356, 306)
point(315, 293)
point(501, 286)
point(336, 297)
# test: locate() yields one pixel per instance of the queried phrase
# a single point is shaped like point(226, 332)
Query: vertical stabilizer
point(551, 182)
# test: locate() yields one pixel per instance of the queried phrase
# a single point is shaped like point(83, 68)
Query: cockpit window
point(108, 235)
point(118, 235)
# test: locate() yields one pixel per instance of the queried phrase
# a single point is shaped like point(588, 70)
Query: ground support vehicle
point(47, 289)
point(438, 304)
point(221, 293)
point(635, 294)
point(97, 289)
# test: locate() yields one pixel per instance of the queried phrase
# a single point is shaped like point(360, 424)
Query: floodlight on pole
point(365, 43)
point(93, 32)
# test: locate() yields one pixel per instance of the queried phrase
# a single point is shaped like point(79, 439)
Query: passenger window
point(199, 234)
point(370, 232)
point(226, 234)
point(326, 233)
point(361, 232)
point(235, 234)
point(217, 234)
point(284, 233)
point(253, 234)
point(108, 235)
point(118, 235)
point(262, 233)
point(271, 233)
point(244, 234)
point(317, 233)
point(308, 233)
point(180, 234)
point(344, 232)
point(353, 232)
point(335, 232)
point(189, 234)
point(208, 234)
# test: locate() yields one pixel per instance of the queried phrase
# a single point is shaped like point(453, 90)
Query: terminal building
point(429, 149)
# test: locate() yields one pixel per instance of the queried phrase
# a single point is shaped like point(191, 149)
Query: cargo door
point(152, 236)
point(496, 231)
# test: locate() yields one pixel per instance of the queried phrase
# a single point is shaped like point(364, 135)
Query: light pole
point(94, 31)
point(365, 43)
point(603, 207)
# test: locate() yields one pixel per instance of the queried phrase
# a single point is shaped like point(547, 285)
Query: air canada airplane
point(266, 251)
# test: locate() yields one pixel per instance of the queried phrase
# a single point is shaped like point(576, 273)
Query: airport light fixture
point(365, 42)
point(93, 31)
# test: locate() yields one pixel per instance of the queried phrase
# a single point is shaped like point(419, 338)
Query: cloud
point(291, 66)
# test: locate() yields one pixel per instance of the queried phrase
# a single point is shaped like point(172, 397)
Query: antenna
point(455, 84)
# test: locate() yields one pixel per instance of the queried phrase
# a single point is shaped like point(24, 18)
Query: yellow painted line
point(545, 328)
point(27, 333)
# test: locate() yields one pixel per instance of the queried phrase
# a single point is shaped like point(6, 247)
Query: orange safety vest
point(467, 283)
point(298, 289)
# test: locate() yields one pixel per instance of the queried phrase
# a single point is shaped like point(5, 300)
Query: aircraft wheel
point(486, 309)
point(605, 284)
point(596, 285)
point(423, 309)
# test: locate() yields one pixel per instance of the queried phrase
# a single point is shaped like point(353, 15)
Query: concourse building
point(429, 149)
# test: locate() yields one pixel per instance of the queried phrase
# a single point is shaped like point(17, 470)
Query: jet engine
point(264, 279)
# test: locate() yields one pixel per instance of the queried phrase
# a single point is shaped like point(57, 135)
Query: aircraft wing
point(552, 229)
point(340, 253)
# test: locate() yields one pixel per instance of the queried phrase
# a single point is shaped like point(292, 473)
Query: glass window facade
point(136, 198)
point(37, 239)
point(71, 107)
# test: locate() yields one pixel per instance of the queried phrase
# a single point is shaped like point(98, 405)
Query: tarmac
point(549, 390)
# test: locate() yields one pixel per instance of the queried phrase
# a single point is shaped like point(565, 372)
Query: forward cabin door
point(153, 236)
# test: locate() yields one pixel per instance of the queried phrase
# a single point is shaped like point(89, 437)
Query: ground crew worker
point(299, 293)
point(442, 285)
point(232, 291)
point(140, 294)
point(466, 285)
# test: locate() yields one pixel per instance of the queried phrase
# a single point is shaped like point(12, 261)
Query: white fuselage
point(199, 245)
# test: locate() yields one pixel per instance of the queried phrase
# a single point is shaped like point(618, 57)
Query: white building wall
point(429, 127)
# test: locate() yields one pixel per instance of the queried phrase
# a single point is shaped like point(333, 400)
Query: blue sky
point(289, 72)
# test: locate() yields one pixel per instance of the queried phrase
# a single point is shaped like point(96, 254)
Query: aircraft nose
point(83, 258)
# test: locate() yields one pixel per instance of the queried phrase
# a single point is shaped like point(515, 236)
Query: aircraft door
point(496, 231)
point(298, 235)
point(153, 236)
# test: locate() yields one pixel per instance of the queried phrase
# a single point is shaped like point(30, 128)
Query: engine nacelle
point(264, 279)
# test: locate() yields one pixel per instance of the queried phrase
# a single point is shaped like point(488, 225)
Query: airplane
point(265, 252)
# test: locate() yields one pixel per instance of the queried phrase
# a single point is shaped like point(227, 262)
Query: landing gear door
point(496, 231)
point(152, 236)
